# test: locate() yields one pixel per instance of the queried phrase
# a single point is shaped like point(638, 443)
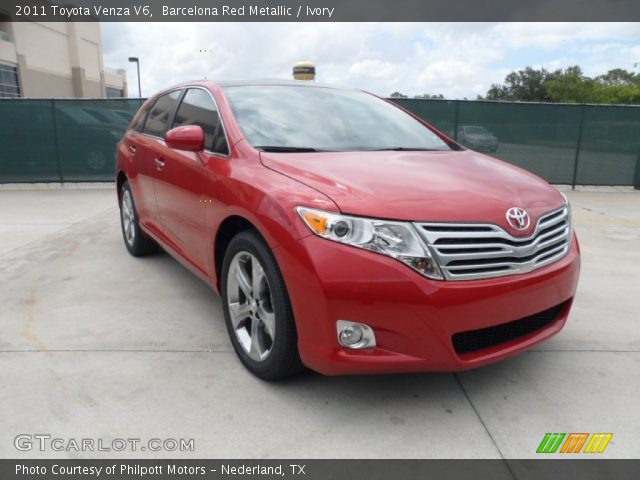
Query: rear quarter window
point(139, 125)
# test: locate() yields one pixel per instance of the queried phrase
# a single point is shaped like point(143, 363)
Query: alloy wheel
point(251, 306)
point(128, 218)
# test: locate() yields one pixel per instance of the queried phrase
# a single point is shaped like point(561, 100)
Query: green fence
point(44, 140)
point(570, 144)
point(61, 140)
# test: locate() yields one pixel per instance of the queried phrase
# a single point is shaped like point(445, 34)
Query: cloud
point(561, 35)
point(372, 68)
point(455, 59)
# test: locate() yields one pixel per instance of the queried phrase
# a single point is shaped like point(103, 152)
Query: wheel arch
point(121, 177)
point(229, 228)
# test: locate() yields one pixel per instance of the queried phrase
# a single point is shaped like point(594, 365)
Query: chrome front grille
point(469, 251)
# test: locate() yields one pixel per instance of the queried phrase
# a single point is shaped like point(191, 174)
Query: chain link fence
point(69, 140)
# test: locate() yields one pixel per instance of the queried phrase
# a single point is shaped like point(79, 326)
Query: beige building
point(55, 59)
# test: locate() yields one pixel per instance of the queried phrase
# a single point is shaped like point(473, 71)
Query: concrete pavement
point(98, 344)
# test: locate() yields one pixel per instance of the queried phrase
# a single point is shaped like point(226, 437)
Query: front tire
point(257, 309)
point(137, 243)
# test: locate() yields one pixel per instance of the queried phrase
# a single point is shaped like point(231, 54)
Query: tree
point(398, 95)
point(430, 97)
point(618, 76)
point(570, 85)
point(528, 85)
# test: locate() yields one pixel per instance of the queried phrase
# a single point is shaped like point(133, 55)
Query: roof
point(277, 83)
point(252, 83)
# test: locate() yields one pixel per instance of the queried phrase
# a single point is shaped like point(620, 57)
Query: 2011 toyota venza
point(343, 233)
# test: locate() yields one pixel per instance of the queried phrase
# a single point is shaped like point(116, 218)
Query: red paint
point(183, 204)
point(189, 137)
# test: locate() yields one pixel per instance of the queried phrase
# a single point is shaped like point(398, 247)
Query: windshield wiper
point(286, 149)
point(405, 149)
point(278, 148)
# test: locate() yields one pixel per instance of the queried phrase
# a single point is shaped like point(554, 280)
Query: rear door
point(147, 147)
point(180, 185)
point(141, 181)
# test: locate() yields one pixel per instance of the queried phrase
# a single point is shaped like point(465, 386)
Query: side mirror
point(188, 137)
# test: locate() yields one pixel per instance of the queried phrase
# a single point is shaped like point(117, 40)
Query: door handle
point(159, 163)
point(132, 148)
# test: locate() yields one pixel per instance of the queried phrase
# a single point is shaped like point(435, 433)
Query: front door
point(181, 178)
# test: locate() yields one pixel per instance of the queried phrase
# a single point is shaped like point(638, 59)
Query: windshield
point(292, 118)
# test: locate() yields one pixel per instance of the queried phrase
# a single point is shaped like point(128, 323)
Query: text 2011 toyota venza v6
point(343, 233)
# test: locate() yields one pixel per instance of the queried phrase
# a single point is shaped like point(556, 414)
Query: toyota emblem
point(518, 218)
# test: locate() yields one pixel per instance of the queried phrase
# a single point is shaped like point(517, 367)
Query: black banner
point(321, 10)
point(548, 469)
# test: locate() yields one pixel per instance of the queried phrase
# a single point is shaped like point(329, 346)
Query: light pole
point(137, 62)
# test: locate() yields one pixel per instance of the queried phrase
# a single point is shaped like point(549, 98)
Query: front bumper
point(414, 318)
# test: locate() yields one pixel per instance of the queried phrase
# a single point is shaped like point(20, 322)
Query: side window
point(198, 108)
point(140, 123)
point(158, 119)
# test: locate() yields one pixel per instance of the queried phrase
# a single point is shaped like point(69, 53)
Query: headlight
point(394, 239)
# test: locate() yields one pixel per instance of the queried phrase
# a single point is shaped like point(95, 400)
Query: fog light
point(355, 335)
point(351, 335)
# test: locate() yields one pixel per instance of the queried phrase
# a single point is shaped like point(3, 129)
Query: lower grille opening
point(474, 340)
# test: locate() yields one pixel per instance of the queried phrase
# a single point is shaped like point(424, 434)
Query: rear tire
point(257, 309)
point(137, 243)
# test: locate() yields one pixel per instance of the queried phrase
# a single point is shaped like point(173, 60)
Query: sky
point(456, 60)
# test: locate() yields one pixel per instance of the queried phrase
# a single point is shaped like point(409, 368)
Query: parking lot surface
point(98, 344)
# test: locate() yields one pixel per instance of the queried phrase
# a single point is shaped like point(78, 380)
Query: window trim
point(224, 131)
point(184, 89)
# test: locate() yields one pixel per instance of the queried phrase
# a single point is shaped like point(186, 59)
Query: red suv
point(343, 233)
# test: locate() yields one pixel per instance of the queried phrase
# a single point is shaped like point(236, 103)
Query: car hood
point(452, 186)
